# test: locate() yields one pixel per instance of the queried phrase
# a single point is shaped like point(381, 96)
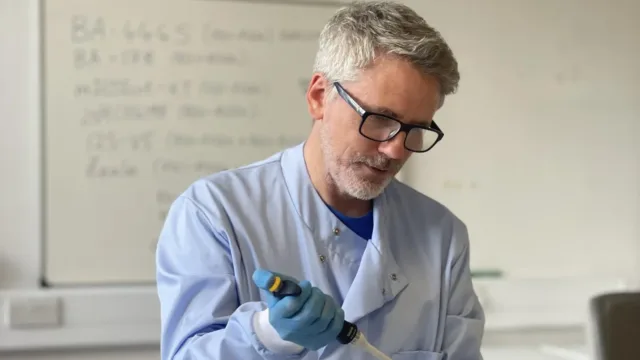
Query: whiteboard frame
point(42, 281)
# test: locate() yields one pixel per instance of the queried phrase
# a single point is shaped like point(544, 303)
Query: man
point(329, 215)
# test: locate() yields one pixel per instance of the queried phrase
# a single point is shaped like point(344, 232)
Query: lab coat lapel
point(379, 278)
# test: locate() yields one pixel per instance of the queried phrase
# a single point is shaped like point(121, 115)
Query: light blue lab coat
point(408, 288)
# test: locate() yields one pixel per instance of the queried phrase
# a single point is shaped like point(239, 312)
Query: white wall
point(19, 150)
point(20, 220)
point(540, 155)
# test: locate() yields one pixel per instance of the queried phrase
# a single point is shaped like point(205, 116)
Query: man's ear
point(318, 86)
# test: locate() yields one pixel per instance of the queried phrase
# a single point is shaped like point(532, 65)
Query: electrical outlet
point(33, 312)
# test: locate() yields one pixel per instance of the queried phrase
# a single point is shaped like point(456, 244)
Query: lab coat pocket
point(418, 355)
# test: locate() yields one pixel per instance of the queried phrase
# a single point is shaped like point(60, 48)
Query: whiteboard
point(143, 97)
point(541, 152)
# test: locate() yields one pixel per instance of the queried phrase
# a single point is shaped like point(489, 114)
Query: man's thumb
point(263, 278)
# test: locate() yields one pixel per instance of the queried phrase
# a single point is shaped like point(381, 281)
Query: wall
point(19, 255)
point(540, 155)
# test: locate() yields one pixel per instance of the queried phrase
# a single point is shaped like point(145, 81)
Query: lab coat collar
point(379, 278)
point(310, 206)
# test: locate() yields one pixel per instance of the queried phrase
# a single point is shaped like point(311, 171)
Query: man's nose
point(394, 148)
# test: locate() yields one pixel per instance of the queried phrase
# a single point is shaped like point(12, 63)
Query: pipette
point(349, 333)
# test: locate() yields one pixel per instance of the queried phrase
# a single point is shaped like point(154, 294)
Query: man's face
point(360, 167)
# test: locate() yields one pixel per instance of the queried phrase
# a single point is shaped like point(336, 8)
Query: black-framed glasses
point(381, 128)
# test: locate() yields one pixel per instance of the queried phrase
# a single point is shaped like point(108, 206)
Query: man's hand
point(311, 319)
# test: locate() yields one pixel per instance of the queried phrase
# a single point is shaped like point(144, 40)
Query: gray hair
point(360, 31)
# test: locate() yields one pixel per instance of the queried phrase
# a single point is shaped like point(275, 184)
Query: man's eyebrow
point(393, 114)
point(388, 112)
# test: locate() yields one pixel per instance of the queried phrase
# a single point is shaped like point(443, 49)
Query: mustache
point(379, 161)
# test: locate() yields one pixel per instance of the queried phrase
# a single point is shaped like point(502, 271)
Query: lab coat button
point(394, 277)
point(336, 231)
point(322, 258)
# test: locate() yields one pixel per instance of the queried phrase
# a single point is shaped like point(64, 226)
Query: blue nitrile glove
point(312, 319)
